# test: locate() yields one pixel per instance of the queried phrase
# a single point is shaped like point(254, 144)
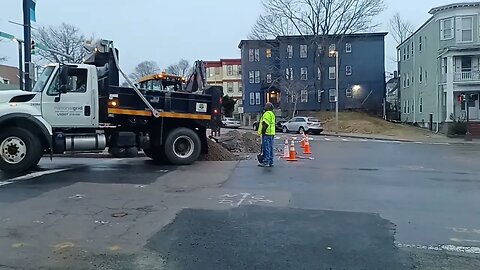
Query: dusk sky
point(165, 31)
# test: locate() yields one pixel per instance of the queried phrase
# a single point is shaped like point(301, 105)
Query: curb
point(365, 137)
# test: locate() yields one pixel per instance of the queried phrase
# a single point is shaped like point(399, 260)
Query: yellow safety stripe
point(162, 114)
point(129, 112)
point(185, 115)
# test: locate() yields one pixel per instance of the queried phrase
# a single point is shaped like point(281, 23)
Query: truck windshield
point(43, 79)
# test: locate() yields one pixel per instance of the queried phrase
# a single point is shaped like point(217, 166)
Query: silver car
point(229, 122)
point(303, 124)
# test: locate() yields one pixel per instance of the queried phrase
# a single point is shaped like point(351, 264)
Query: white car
point(229, 122)
point(306, 124)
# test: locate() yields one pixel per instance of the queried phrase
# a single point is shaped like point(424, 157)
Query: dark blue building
point(299, 71)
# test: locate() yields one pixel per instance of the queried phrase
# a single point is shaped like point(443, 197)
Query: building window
point(420, 105)
point(420, 75)
point(251, 55)
point(466, 26)
point(319, 96)
point(252, 98)
point(217, 70)
point(230, 87)
point(240, 87)
point(331, 73)
point(348, 70)
point(408, 51)
point(348, 92)
point(408, 107)
point(257, 98)
point(413, 107)
point(319, 49)
point(446, 29)
point(332, 48)
point(229, 70)
point(426, 76)
point(420, 43)
point(331, 95)
point(257, 76)
point(268, 52)
point(303, 72)
point(319, 73)
point(444, 65)
point(5, 81)
point(257, 55)
point(348, 47)
point(289, 51)
point(289, 74)
point(304, 96)
point(413, 49)
point(251, 76)
point(269, 78)
point(404, 54)
point(408, 80)
point(303, 51)
point(404, 81)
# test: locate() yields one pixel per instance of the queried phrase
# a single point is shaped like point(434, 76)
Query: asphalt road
point(353, 204)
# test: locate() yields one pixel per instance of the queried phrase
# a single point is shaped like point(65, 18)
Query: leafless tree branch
point(182, 68)
point(65, 38)
point(143, 69)
point(400, 28)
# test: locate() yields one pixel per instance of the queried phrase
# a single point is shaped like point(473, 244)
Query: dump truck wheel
point(182, 146)
point(20, 150)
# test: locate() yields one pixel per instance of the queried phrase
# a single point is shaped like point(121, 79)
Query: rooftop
point(376, 34)
point(454, 6)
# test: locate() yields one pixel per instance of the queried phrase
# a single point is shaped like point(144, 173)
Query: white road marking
point(327, 139)
point(31, 176)
point(464, 240)
point(364, 140)
point(245, 195)
point(463, 249)
point(345, 140)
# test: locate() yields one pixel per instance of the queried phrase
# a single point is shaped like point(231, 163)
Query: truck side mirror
point(63, 79)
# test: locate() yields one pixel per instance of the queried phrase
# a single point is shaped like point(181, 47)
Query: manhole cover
point(119, 214)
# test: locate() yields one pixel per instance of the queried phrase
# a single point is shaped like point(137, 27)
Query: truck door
point(73, 108)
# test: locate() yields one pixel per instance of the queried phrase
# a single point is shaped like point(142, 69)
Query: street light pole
point(337, 71)
point(20, 63)
point(27, 44)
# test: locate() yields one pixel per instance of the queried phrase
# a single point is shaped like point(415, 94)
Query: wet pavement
point(354, 204)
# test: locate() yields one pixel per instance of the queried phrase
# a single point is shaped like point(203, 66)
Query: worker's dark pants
point(267, 149)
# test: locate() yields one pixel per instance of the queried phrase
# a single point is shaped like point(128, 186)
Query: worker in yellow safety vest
point(266, 128)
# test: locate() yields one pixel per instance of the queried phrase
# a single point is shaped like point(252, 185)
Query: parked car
point(278, 125)
point(306, 124)
point(230, 122)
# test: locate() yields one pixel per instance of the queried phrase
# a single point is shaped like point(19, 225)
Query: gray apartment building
point(300, 70)
point(439, 62)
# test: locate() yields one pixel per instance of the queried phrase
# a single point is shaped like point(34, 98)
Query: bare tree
point(294, 90)
point(143, 69)
point(63, 39)
point(182, 68)
point(400, 28)
point(316, 17)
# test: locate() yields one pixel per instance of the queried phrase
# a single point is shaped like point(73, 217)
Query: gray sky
point(191, 29)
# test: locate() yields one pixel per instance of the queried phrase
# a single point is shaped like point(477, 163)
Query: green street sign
point(7, 36)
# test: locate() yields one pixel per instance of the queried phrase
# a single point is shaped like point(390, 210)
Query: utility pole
point(20, 63)
point(27, 44)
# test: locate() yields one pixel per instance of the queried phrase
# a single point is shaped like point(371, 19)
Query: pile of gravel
point(237, 142)
point(217, 152)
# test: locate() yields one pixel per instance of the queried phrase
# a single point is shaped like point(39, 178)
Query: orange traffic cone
point(306, 150)
point(302, 142)
point(286, 150)
point(292, 152)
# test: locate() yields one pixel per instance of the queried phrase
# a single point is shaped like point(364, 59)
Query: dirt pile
point(246, 142)
point(217, 152)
